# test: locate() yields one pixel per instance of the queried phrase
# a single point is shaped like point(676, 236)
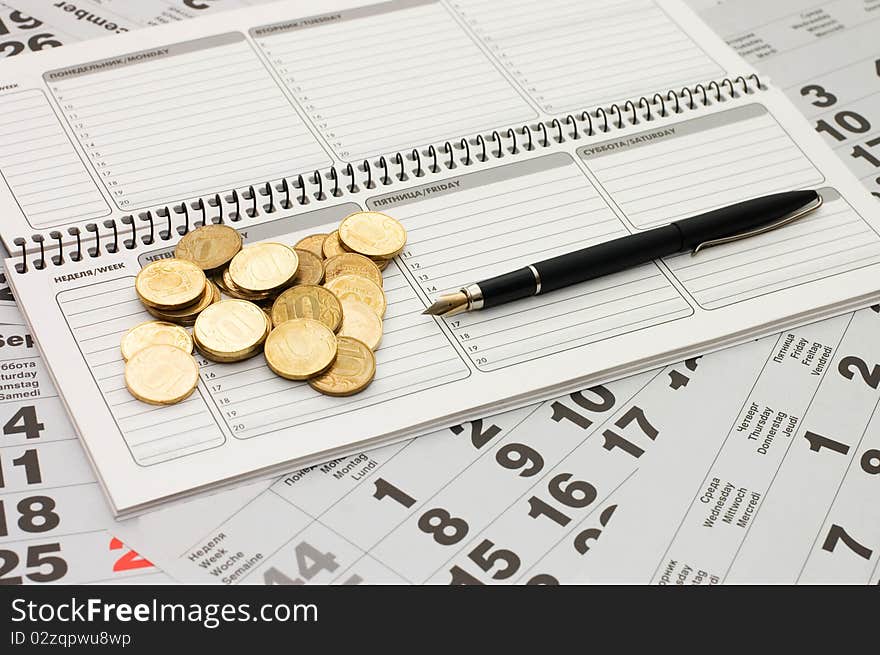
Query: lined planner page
point(414, 353)
point(384, 77)
point(832, 240)
point(186, 119)
point(674, 172)
point(41, 167)
point(483, 224)
point(678, 171)
point(573, 55)
point(98, 316)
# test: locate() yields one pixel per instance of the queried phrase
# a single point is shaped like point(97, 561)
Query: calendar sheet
point(753, 464)
point(34, 25)
point(54, 522)
point(825, 56)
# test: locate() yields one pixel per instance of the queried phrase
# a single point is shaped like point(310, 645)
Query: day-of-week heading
point(110, 63)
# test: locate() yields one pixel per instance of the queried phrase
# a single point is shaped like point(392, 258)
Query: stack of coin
point(159, 366)
point(315, 309)
point(175, 290)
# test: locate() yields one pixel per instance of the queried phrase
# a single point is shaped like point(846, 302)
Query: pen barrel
point(742, 217)
point(608, 257)
point(508, 287)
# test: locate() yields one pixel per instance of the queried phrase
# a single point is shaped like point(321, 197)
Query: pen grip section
point(508, 287)
point(608, 257)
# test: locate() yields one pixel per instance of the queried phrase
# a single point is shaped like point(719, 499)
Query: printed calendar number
point(677, 379)
point(585, 538)
point(543, 579)
point(447, 530)
point(517, 456)
point(497, 564)
point(40, 563)
point(129, 560)
point(837, 534)
point(821, 97)
point(386, 489)
point(310, 561)
point(24, 421)
point(479, 437)
point(615, 440)
point(29, 462)
point(12, 42)
point(604, 403)
point(850, 366)
point(35, 514)
point(500, 563)
point(870, 461)
point(575, 494)
point(843, 125)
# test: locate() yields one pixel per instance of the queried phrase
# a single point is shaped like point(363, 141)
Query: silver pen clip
point(785, 220)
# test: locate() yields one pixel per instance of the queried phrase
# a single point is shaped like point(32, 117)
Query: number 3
point(823, 97)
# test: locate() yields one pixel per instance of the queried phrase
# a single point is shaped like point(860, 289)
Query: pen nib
point(448, 305)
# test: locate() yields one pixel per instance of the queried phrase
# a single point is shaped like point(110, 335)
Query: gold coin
point(300, 349)
point(161, 374)
point(360, 322)
point(353, 370)
point(308, 301)
point(332, 246)
point(372, 234)
point(263, 267)
point(219, 280)
point(351, 263)
point(152, 333)
point(310, 269)
point(359, 288)
point(210, 246)
point(382, 263)
point(230, 288)
point(313, 243)
point(187, 315)
point(230, 330)
point(170, 283)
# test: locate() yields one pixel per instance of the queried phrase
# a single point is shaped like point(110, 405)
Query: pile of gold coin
point(313, 309)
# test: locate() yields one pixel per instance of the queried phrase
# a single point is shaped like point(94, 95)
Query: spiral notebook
point(497, 133)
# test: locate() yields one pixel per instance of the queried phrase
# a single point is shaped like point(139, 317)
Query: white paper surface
point(431, 373)
point(614, 484)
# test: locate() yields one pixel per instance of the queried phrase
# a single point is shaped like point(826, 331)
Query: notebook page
point(612, 49)
point(485, 224)
point(232, 93)
point(421, 78)
point(247, 400)
point(663, 175)
point(41, 168)
point(637, 335)
point(98, 317)
point(170, 122)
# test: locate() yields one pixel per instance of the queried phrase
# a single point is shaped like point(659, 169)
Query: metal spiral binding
point(235, 205)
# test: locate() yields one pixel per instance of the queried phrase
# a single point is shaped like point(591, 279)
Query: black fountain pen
point(713, 228)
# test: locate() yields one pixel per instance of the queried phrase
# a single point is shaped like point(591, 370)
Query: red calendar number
point(129, 560)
